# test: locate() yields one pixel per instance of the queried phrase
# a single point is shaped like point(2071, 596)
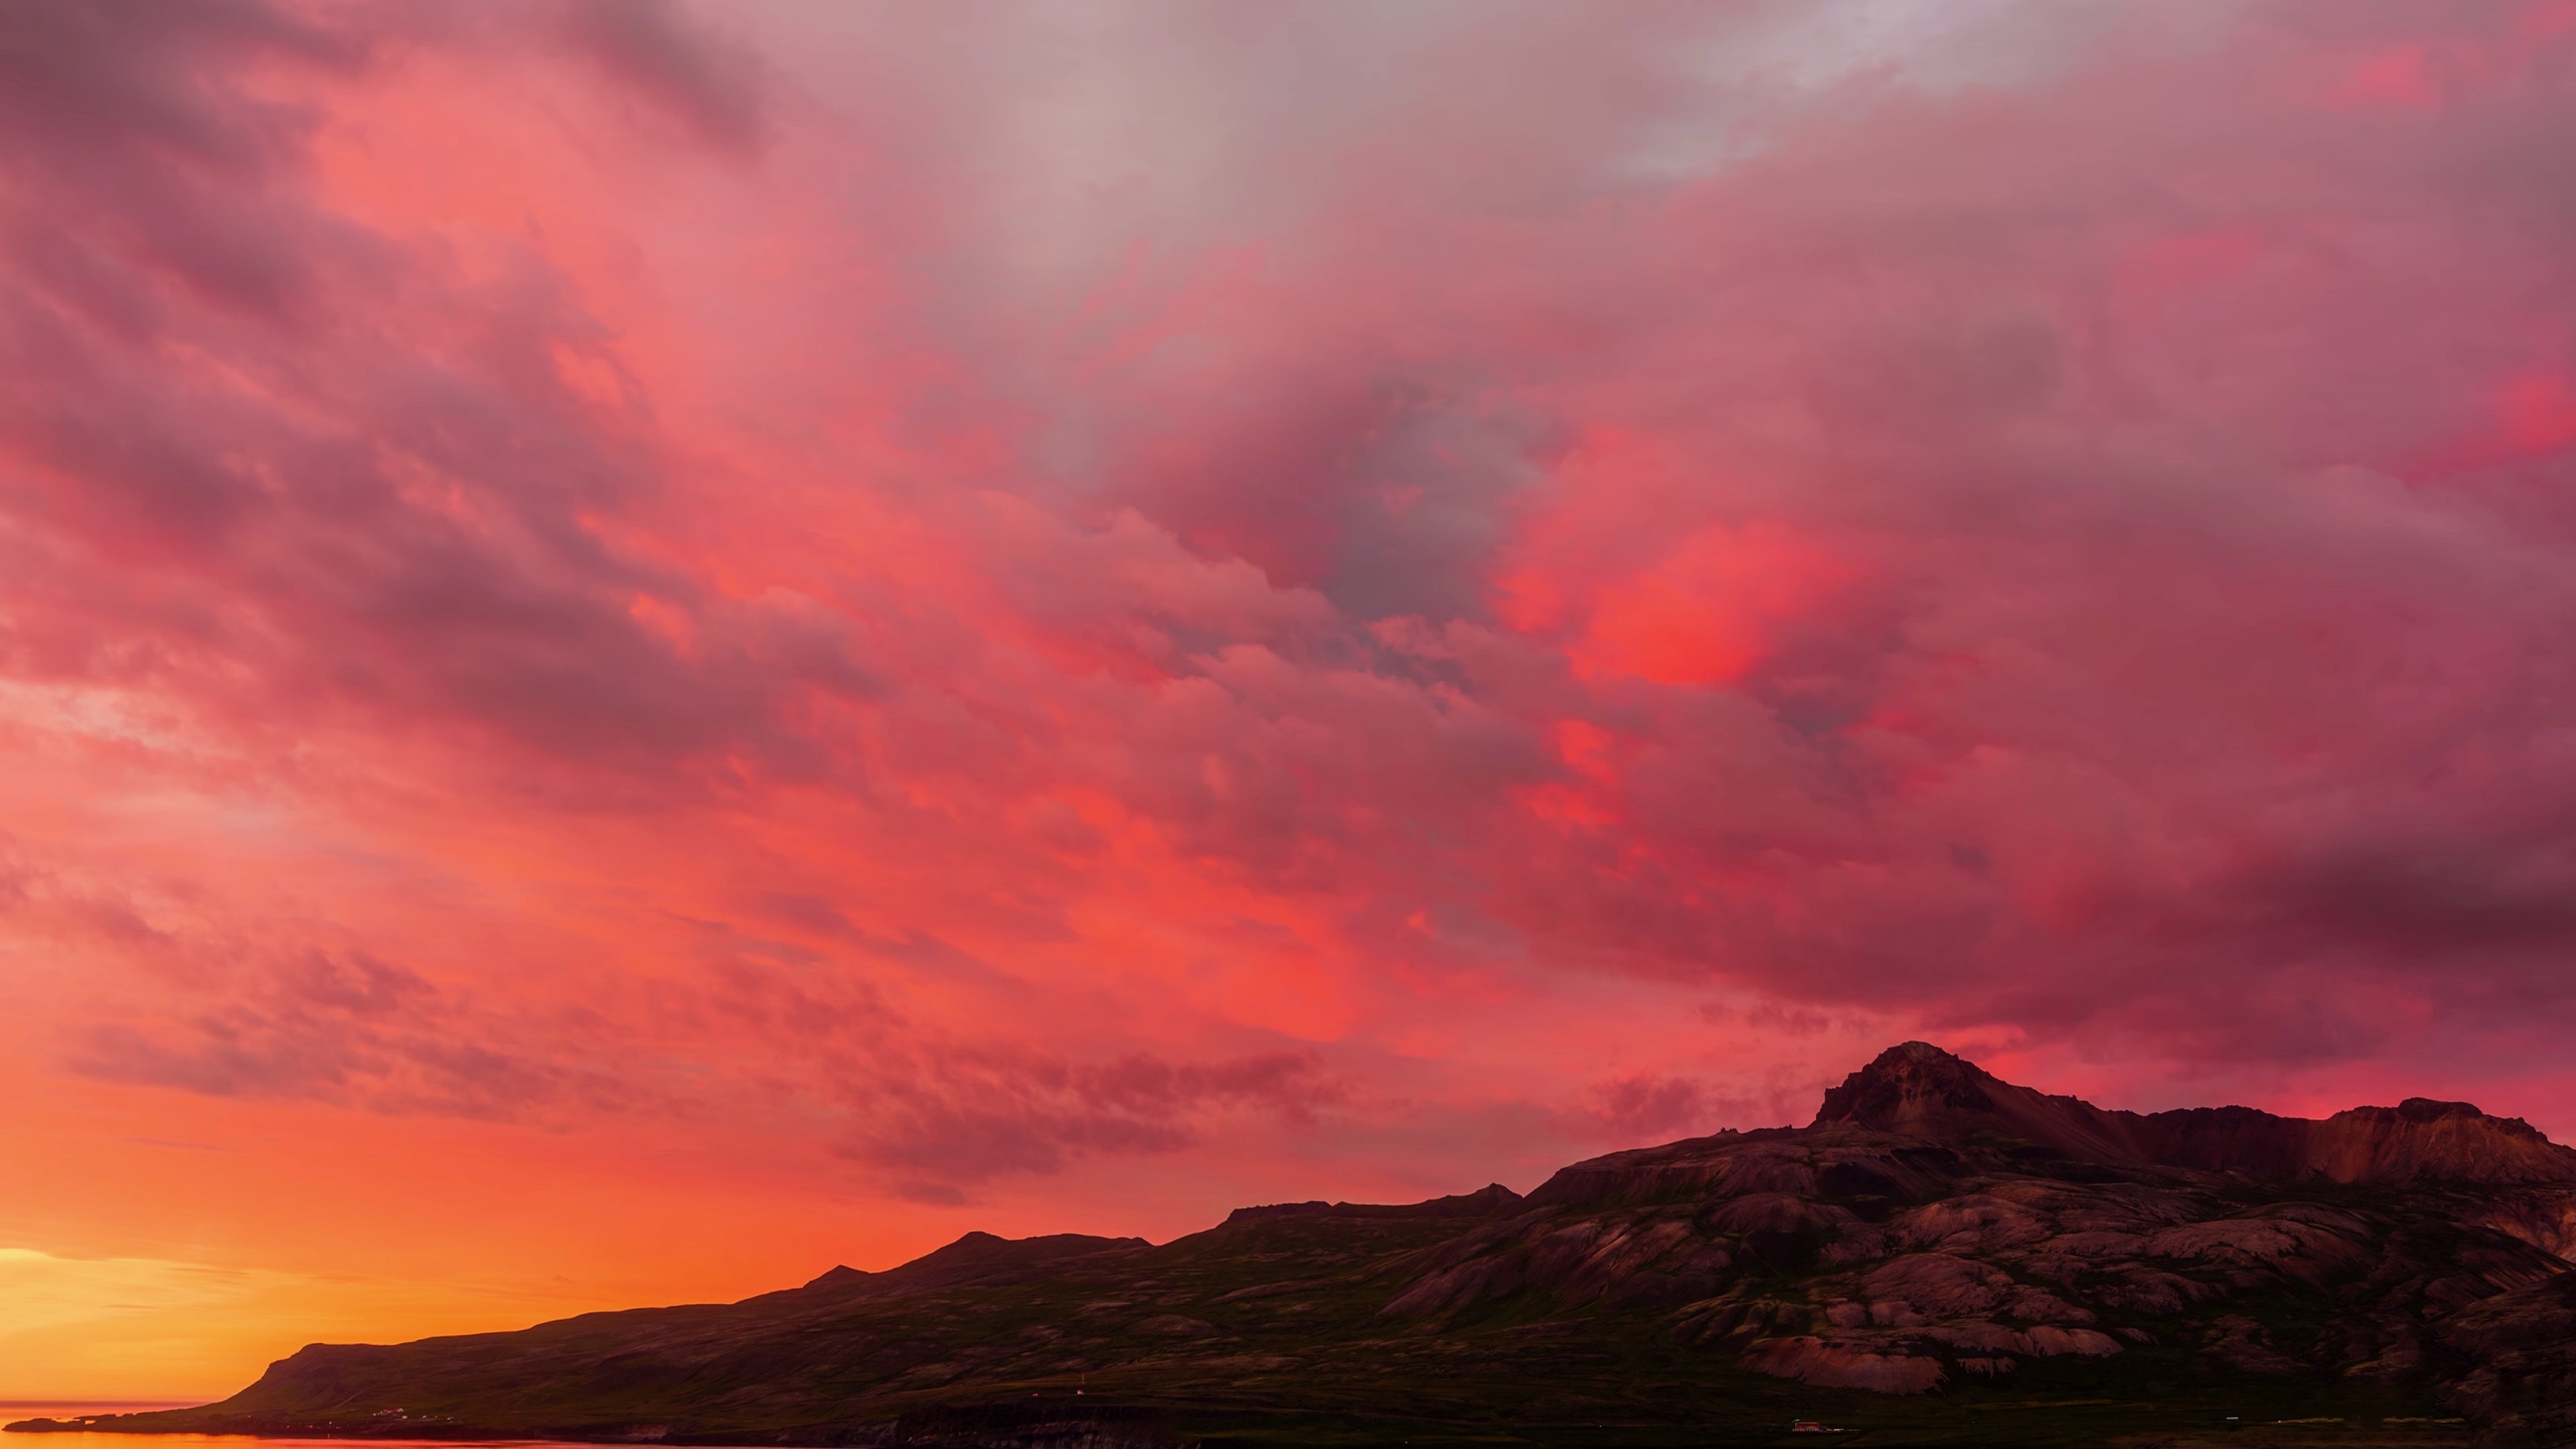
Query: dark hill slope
point(1942, 1258)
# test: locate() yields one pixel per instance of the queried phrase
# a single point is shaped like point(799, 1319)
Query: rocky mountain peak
point(1919, 1089)
point(1906, 1086)
point(2425, 1109)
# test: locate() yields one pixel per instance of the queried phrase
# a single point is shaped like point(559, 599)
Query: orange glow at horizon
point(647, 648)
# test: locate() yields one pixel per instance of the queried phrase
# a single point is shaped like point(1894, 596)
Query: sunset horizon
point(648, 647)
point(32, 1270)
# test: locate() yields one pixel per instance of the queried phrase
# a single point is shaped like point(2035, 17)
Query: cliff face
point(2424, 1139)
point(1921, 1090)
point(1939, 1239)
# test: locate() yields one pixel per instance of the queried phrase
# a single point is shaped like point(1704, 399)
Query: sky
point(648, 647)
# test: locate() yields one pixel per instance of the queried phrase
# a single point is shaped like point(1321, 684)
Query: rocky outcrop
point(1919, 1090)
point(1836, 1365)
point(2423, 1140)
point(2522, 1345)
point(1933, 1264)
point(1922, 1091)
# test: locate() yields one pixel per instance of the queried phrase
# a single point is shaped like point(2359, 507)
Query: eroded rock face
point(1842, 1365)
point(1968, 1259)
point(1938, 1224)
point(2522, 1388)
point(1927, 1286)
point(1922, 1090)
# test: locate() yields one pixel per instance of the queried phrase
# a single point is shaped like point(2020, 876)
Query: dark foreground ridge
point(1941, 1258)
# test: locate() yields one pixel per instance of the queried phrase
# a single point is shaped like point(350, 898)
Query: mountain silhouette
point(1940, 1257)
point(1922, 1090)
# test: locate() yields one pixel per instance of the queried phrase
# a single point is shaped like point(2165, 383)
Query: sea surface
point(238, 1440)
point(148, 1441)
point(12, 1410)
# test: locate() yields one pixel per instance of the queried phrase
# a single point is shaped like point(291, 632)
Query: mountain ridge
point(1918, 1088)
point(1936, 1244)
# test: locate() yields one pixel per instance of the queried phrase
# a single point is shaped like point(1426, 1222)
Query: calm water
point(12, 1410)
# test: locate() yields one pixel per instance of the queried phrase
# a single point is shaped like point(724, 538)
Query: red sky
point(646, 649)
